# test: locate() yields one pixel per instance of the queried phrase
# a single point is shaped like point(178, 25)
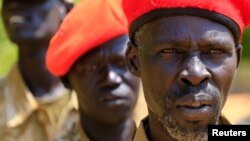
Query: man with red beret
point(35, 102)
point(88, 53)
point(186, 53)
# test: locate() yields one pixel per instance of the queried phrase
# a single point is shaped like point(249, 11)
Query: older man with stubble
point(186, 53)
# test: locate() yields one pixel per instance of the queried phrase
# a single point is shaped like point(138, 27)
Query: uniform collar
point(25, 103)
point(21, 103)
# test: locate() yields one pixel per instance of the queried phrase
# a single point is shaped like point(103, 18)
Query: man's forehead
point(185, 28)
point(178, 22)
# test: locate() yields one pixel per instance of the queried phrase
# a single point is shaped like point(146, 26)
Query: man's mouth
point(113, 100)
point(195, 113)
point(195, 107)
point(115, 95)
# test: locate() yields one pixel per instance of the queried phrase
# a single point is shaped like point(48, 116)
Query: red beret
point(89, 24)
point(232, 13)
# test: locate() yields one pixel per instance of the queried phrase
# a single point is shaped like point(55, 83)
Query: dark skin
point(31, 25)
point(106, 92)
point(193, 61)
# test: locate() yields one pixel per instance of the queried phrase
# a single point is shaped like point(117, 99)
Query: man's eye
point(121, 63)
point(93, 67)
point(90, 68)
point(216, 51)
point(170, 51)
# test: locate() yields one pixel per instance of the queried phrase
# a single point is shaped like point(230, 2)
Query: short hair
point(140, 32)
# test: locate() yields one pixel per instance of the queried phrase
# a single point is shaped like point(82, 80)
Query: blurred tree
point(246, 44)
point(8, 51)
point(76, 1)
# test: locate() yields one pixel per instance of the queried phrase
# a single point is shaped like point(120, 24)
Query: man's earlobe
point(239, 53)
point(132, 59)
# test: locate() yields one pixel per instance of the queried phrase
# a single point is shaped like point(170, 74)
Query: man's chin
point(189, 133)
point(186, 131)
point(114, 120)
point(20, 40)
point(27, 39)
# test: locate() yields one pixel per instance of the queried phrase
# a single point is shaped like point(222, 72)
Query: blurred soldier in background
point(34, 103)
point(88, 51)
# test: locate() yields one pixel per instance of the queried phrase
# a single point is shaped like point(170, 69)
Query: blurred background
point(236, 107)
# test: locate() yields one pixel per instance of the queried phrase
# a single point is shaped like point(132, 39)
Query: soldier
point(186, 53)
point(35, 102)
point(88, 52)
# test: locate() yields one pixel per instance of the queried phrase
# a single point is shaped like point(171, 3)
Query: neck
point(157, 131)
point(32, 66)
point(97, 131)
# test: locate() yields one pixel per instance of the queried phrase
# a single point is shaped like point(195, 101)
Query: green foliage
point(76, 1)
point(8, 52)
point(246, 44)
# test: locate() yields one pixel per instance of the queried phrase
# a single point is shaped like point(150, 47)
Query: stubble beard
point(192, 131)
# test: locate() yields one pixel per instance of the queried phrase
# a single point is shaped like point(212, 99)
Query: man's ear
point(131, 57)
point(239, 53)
point(66, 82)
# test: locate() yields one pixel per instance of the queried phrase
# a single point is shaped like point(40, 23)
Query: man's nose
point(111, 75)
point(194, 73)
point(114, 77)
